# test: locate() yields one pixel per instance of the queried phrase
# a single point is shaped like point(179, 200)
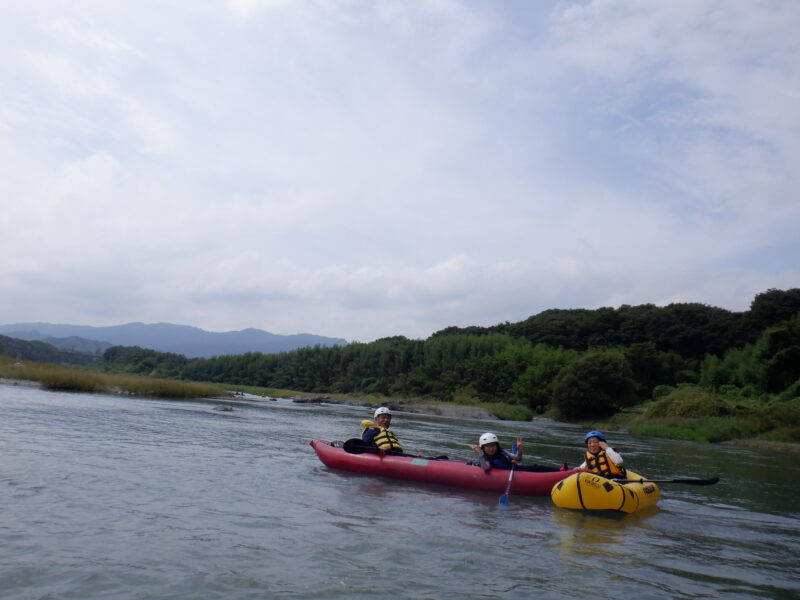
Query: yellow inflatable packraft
point(590, 491)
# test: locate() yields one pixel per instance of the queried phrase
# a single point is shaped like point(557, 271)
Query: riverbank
point(634, 420)
point(67, 379)
point(729, 430)
point(411, 405)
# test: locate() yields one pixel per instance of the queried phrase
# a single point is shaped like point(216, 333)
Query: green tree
point(778, 348)
point(532, 387)
point(771, 307)
point(597, 384)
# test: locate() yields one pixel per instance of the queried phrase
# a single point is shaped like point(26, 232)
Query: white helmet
point(487, 438)
point(382, 411)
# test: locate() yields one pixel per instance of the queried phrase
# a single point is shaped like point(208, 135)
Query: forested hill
point(576, 362)
point(43, 352)
point(690, 329)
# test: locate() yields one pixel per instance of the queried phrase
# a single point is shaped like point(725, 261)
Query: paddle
point(504, 497)
point(711, 481)
point(356, 446)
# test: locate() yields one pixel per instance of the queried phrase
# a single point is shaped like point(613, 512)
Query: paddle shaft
point(504, 497)
point(356, 446)
point(510, 477)
point(711, 481)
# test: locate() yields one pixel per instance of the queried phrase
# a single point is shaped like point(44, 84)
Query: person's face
point(383, 420)
point(491, 449)
point(593, 445)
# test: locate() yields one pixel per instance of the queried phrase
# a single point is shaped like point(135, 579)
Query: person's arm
point(369, 435)
point(612, 454)
point(518, 456)
point(481, 461)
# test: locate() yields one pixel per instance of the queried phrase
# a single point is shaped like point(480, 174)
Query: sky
point(370, 168)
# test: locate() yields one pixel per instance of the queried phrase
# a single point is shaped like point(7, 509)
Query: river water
point(114, 497)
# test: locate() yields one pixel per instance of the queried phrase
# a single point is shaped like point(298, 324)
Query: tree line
point(574, 363)
point(43, 352)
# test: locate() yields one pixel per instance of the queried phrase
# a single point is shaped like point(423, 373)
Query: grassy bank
point(500, 410)
point(358, 399)
point(696, 414)
point(69, 379)
point(685, 413)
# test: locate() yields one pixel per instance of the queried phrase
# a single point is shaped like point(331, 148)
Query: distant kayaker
point(600, 457)
point(492, 455)
point(378, 433)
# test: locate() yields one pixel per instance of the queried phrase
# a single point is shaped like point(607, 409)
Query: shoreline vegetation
point(55, 377)
point(683, 371)
point(752, 426)
point(687, 413)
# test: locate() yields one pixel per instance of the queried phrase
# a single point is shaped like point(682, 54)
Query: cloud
point(248, 7)
point(363, 169)
point(706, 92)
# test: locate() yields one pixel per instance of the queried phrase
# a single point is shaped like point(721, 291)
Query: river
point(113, 497)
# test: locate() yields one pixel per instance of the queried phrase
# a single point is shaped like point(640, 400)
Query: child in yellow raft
point(585, 491)
point(602, 458)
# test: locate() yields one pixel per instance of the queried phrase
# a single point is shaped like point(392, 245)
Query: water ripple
point(121, 498)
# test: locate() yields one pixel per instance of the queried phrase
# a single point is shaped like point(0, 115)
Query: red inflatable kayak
point(443, 472)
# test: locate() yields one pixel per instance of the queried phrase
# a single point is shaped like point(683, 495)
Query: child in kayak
point(492, 455)
point(379, 435)
point(600, 457)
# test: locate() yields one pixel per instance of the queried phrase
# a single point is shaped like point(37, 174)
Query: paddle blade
point(504, 497)
point(356, 446)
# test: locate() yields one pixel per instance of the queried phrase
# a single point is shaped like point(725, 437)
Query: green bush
point(779, 414)
point(687, 401)
point(708, 429)
point(789, 435)
point(792, 392)
point(509, 412)
point(662, 390)
point(658, 409)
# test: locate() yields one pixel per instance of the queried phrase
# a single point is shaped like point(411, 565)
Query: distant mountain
point(42, 352)
point(191, 342)
point(78, 344)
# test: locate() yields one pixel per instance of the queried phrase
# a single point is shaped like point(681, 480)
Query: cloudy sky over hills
point(361, 169)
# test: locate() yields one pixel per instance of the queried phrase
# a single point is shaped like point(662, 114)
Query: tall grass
point(695, 413)
point(706, 429)
point(66, 379)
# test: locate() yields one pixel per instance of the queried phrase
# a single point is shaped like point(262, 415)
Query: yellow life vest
point(601, 464)
point(385, 439)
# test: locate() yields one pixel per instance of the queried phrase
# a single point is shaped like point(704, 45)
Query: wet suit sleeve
point(614, 456)
point(368, 436)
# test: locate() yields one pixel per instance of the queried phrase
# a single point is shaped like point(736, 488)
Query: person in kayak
point(600, 457)
point(378, 433)
point(492, 454)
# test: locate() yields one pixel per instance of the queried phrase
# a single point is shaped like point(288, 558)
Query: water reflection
point(128, 498)
point(594, 533)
